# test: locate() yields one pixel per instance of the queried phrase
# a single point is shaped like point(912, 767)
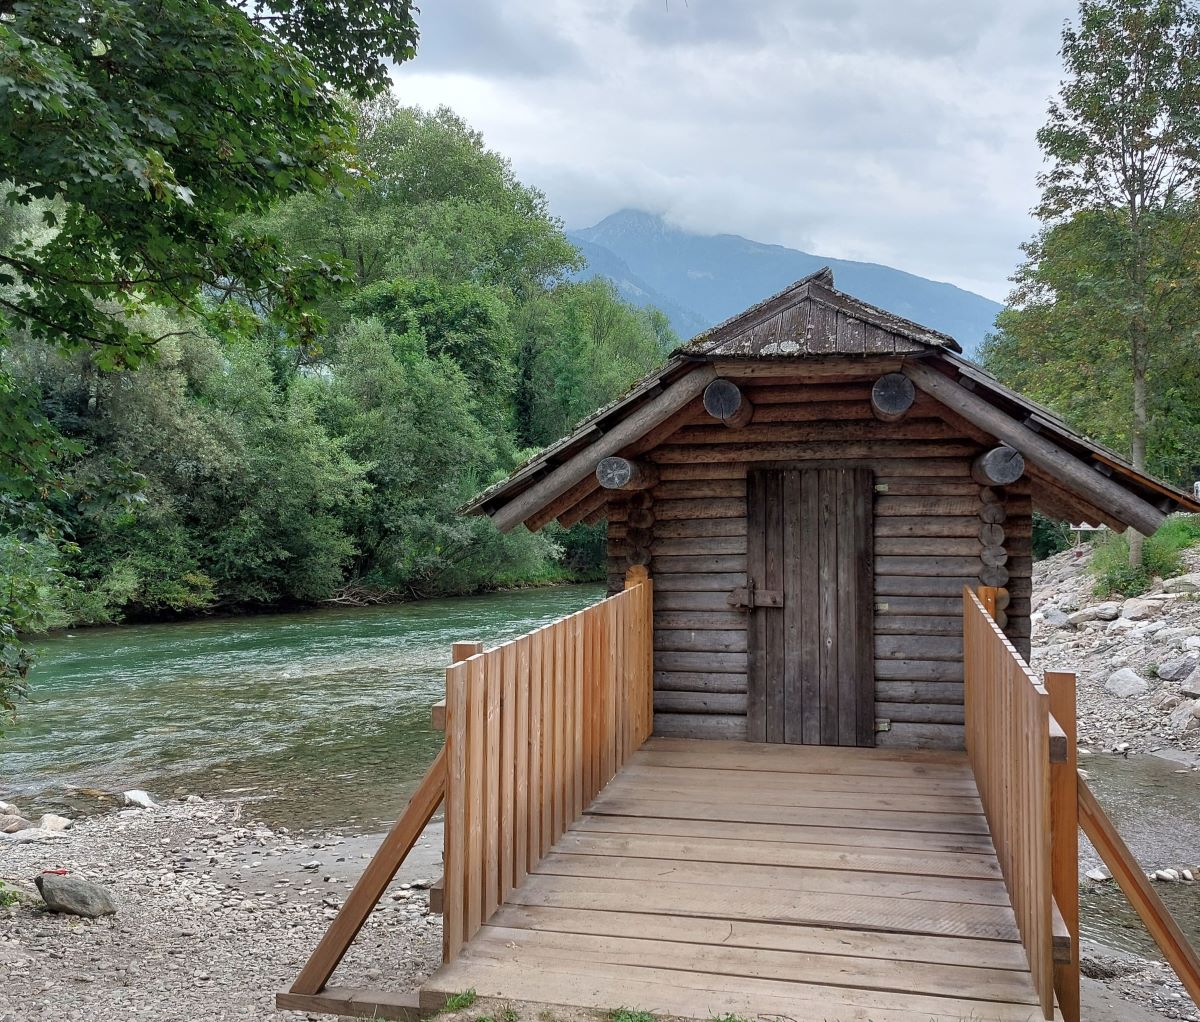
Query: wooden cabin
point(811, 484)
point(819, 520)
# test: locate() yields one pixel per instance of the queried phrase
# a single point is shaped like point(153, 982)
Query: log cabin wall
point(929, 517)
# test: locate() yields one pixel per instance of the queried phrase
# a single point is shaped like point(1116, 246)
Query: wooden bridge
point(590, 865)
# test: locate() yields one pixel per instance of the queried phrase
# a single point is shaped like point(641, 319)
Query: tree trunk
point(1138, 432)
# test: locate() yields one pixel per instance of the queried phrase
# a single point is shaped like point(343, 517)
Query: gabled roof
point(812, 321)
point(811, 317)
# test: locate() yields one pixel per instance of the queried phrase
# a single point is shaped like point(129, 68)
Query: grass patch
point(728, 1018)
point(461, 1000)
point(8, 896)
point(508, 1014)
point(1161, 557)
point(629, 1015)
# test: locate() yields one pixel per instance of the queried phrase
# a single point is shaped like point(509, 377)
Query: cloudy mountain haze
point(898, 134)
point(699, 280)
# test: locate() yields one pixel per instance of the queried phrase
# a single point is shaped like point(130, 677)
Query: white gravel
point(215, 917)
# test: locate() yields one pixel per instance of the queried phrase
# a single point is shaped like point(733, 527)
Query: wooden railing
point(1021, 743)
point(534, 729)
point(1008, 738)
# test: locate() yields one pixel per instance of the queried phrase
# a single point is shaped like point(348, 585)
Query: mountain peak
point(704, 279)
point(629, 224)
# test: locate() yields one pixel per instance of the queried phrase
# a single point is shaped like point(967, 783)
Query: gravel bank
point(214, 917)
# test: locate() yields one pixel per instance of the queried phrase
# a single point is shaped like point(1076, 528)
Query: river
point(321, 721)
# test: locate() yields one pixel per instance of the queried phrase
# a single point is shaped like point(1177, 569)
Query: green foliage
point(1049, 536)
point(8, 895)
point(463, 999)
point(235, 469)
point(1161, 557)
point(1106, 310)
point(631, 1015)
point(159, 125)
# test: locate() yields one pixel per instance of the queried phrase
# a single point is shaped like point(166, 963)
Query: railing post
point(1064, 849)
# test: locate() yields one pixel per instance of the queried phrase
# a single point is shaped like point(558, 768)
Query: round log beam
point(991, 535)
point(642, 518)
point(994, 576)
point(724, 400)
point(1001, 466)
point(639, 555)
point(626, 474)
point(892, 396)
point(992, 514)
point(994, 556)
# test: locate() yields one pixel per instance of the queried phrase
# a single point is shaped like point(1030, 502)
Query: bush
point(1050, 536)
point(1161, 557)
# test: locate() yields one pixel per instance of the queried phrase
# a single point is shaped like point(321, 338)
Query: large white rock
point(1125, 683)
point(1140, 610)
point(139, 797)
point(51, 821)
point(1189, 583)
point(1100, 612)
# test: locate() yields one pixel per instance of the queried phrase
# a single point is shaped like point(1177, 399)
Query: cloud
point(865, 129)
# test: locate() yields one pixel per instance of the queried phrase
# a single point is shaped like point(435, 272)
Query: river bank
point(214, 911)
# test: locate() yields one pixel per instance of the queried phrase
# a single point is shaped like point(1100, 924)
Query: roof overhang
point(811, 331)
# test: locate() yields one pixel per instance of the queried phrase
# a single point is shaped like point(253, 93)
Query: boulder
point(10, 824)
point(1100, 612)
point(75, 896)
point(51, 821)
point(1179, 719)
point(1140, 610)
point(1120, 625)
point(1189, 583)
point(8, 809)
point(1178, 668)
point(140, 798)
point(1190, 685)
point(1054, 617)
point(1125, 683)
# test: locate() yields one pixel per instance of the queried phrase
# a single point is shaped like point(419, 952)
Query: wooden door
point(810, 584)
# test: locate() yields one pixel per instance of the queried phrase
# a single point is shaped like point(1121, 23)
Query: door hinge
point(881, 487)
point(881, 724)
point(881, 607)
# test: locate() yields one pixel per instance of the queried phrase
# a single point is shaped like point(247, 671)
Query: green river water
point(321, 721)
point(318, 719)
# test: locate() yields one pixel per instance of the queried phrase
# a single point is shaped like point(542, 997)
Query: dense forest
point(239, 469)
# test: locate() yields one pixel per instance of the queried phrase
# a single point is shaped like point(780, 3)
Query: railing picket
point(577, 719)
point(491, 887)
point(535, 748)
point(476, 743)
point(520, 863)
point(507, 766)
point(549, 739)
point(454, 877)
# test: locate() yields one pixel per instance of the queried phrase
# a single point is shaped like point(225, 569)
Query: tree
point(1112, 275)
point(143, 134)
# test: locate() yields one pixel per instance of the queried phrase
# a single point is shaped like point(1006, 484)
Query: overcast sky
point(893, 131)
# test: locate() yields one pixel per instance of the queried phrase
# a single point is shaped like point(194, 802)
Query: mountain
point(701, 279)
